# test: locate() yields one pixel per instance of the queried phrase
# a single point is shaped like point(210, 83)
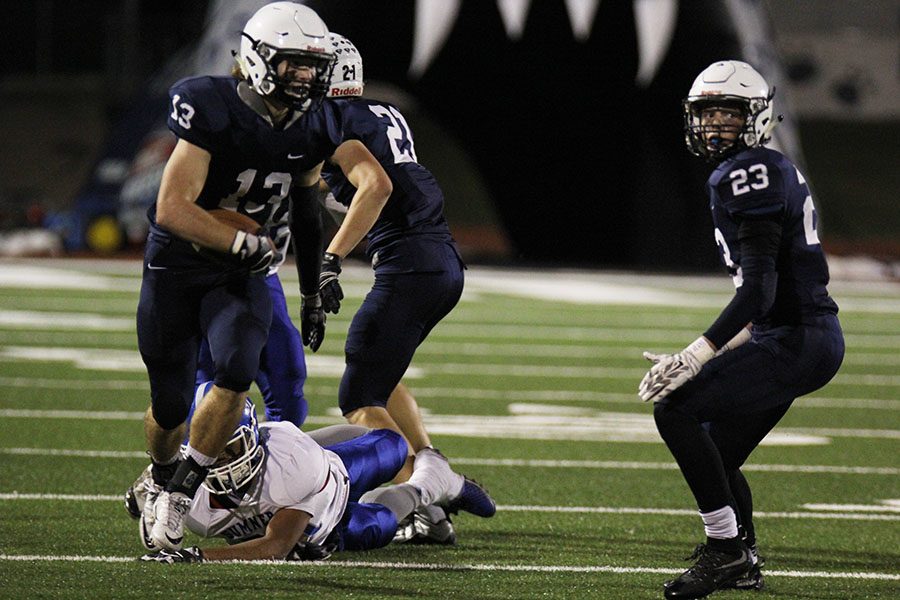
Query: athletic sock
point(720, 523)
point(188, 477)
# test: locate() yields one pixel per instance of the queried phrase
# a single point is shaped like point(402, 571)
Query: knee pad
point(236, 371)
point(365, 384)
point(170, 414)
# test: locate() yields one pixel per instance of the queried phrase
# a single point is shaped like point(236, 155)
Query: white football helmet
point(734, 84)
point(242, 458)
point(347, 70)
point(286, 30)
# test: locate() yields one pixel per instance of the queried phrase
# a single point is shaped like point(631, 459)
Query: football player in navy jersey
point(779, 338)
point(253, 145)
point(418, 268)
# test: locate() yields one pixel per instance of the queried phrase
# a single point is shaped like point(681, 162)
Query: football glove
point(170, 557)
point(312, 320)
point(670, 371)
point(254, 251)
point(742, 337)
point(305, 551)
point(329, 286)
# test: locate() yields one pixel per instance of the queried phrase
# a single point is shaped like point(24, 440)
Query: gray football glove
point(671, 371)
point(254, 251)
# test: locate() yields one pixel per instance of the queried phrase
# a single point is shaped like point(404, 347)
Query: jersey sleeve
point(197, 113)
point(752, 188)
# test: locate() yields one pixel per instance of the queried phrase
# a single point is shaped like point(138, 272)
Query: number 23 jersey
point(761, 183)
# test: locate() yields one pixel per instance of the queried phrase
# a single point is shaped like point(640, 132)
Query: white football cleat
point(170, 512)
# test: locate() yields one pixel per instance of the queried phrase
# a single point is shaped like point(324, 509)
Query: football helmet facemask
point(347, 69)
point(729, 84)
point(287, 31)
point(242, 458)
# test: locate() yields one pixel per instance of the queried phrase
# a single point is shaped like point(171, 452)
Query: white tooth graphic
point(434, 21)
point(514, 14)
point(581, 16)
point(655, 23)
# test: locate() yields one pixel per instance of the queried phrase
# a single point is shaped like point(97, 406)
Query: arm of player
point(741, 337)
point(176, 208)
point(307, 231)
point(282, 534)
point(307, 234)
point(373, 188)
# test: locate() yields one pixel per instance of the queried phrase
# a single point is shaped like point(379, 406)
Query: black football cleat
point(714, 570)
point(754, 579)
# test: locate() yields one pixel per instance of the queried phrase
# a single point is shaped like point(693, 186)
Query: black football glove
point(254, 251)
point(329, 286)
point(305, 551)
point(312, 320)
point(170, 557)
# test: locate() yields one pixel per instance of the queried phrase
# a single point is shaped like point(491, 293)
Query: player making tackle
point(254, 145)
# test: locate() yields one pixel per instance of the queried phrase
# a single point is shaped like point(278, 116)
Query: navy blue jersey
point(413, 217)
point(760, 183)
point(253, 165)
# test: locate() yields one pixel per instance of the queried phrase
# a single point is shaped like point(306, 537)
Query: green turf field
point(532, 395)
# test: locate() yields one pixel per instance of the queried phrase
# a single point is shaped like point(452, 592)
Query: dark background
point(547, 149)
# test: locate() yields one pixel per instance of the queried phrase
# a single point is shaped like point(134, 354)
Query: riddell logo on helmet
point(354, 91)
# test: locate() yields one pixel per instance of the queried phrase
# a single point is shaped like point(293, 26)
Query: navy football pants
point(395, 317)
point(713, 423)
point(177, 309)
point(282, 366)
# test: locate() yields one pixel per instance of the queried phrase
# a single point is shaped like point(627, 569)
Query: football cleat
point(136, 495)
point(427, 525)
point(754, 578)
point(473, 499)
point(140, 500)
point(170, 511)
point(714, 570)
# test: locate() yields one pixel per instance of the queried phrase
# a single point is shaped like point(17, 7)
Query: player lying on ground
point(275, 493)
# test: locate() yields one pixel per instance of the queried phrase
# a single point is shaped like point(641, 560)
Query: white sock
point(200, 458)
point(720, 524)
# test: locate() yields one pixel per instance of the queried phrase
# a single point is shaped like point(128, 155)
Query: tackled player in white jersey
point(276, 493)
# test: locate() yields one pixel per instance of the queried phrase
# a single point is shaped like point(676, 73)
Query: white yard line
point(619, 510)
point(391, 566)
point(461, 393)
point(513, 462)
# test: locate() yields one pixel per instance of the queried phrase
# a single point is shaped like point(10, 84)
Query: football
point(235, 219)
